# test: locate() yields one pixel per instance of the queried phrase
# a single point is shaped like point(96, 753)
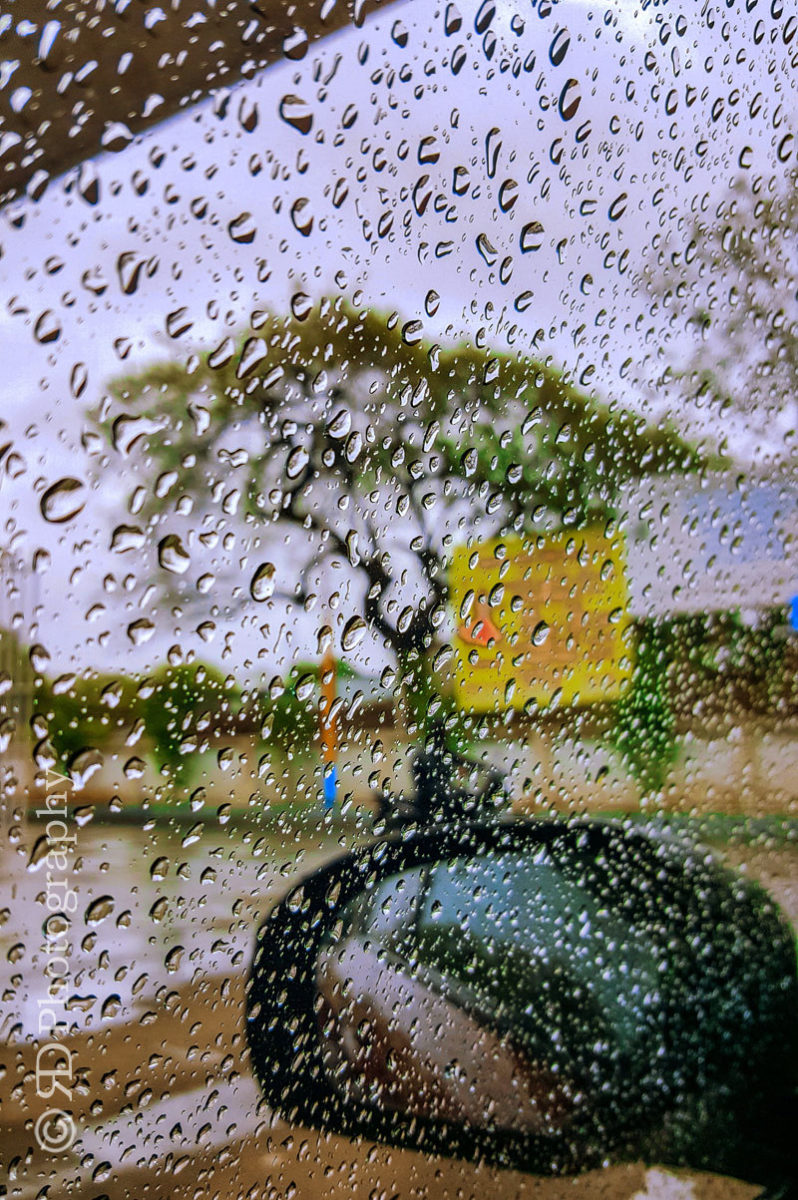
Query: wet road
point(165, 1105)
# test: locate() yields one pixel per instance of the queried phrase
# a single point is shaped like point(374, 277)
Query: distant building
point(713, 543)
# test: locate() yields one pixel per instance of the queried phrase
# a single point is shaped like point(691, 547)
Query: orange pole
point(329, 727)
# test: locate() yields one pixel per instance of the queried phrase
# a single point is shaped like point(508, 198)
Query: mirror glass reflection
point(500, 991)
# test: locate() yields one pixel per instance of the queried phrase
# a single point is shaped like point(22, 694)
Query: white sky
point(631, 61)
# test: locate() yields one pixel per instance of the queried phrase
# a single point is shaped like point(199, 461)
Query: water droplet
point(460, 181)
point(85, 764)
point(350, 115)
point(487, 11)
point(78, 379)
point(39, 657)
point(56, 925)
point(453, 20)
point(302, 216)
point(222, 355)
point(354, 632)
point(486, 249)
point(111, 696)
point(129, 267)
point(172, 555)
point(493, 147)
point(163, 485)
point(47, 328)
point(352, 551)
point(63, 500)
point(248, 115)
point(15, 465)
point(559, 47)
point(7, 729)
point(127, 537)
point(172, 959)
point(412, 332)
point(531, 236)
point(242, 229)
point(177, 323)
point(253, 353)
point(784, 149)
point(353, 446)
point(540, 633)
point(340, 193)
point(301, 306)
point(116, 136)
point(262, 584)
point(298, 459)
point(295, 112)
point(442, 658)
point(99, 909)
point(112, 1005)
point(140, 631)
point(159, 868)
point(126, 431)
point(38, 854)
point(508, 195)
point(295, 45)
point(88, 183)
point(134, 768)
point(570, 99)
point(431, 302)
point(340, 424)
point(47, 41)
point(44, 755)
point(618, 207)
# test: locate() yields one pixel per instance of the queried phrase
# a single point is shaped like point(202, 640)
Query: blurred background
point(367, 366)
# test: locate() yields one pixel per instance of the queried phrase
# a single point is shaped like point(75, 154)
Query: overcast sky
point(208, 217)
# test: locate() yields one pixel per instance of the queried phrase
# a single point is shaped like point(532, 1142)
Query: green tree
point(372, 446)
point(88, 714)
point(645, 726)
point(179, 703)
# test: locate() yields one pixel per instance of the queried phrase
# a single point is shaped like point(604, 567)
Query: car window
point(397, 428)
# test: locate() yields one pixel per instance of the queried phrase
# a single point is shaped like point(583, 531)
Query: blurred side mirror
point(543, 995)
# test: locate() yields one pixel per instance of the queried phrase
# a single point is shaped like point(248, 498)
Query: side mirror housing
point(542, 995)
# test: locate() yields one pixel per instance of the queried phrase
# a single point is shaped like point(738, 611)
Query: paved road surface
point(165, 1104)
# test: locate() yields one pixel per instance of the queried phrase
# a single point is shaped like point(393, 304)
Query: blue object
point(794, 613)
point(330, 786)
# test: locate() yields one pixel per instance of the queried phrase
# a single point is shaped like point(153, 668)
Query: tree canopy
point(380, 449)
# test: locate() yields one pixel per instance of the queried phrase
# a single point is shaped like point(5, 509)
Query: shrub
point(180, 702)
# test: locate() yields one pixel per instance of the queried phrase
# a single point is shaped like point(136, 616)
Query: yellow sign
point(540, 618)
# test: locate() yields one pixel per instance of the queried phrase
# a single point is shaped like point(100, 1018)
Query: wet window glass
point(530, 948)
point(397, 438)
